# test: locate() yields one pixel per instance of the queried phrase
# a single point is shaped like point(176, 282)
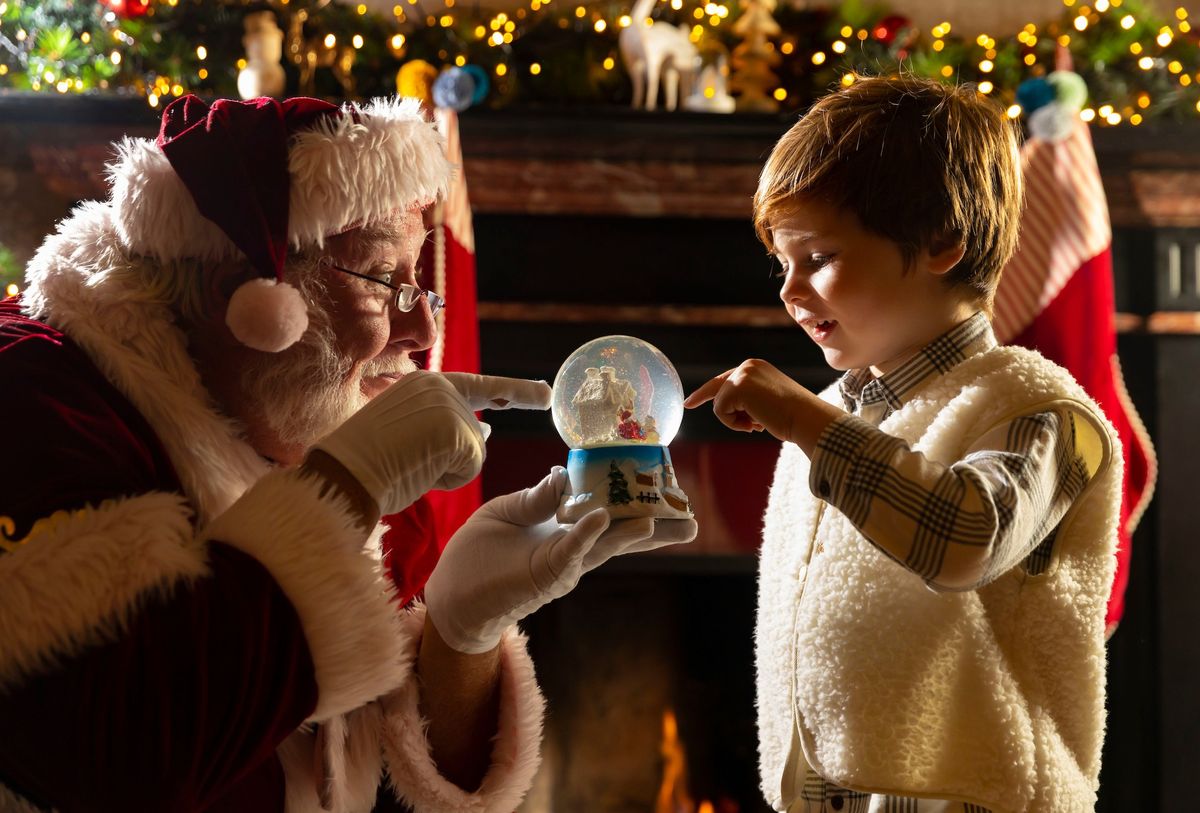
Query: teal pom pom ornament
point(1035, 93)
point(482, 83)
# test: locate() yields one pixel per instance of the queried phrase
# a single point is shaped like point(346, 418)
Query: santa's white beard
point(307, 391)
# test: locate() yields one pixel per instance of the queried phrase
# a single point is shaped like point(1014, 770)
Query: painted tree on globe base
point(618, 486)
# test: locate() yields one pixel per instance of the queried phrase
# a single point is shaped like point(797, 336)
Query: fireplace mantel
point(608, 161)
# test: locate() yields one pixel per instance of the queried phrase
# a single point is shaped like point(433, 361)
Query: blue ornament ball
point(1034, 93)
point(454, 88)
point(482, 83)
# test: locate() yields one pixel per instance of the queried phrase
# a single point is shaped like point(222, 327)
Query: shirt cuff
point(850, 459)
point(516, 748)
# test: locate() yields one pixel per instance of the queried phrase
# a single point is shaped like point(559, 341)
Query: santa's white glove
point(511, 557)
point(494, 392)
point(416, 435)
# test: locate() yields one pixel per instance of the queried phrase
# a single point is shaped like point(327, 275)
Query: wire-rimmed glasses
point(407, 295)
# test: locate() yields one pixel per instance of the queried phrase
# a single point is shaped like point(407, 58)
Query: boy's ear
point(945, 253)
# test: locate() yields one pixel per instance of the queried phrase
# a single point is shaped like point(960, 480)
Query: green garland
point(11, 272)
point(1133, 60)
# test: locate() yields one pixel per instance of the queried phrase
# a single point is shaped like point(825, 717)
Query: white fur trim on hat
point(346, 172)
point(267, 315)
point(342, 171)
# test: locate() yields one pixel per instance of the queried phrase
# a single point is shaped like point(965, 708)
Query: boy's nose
point(794, 289)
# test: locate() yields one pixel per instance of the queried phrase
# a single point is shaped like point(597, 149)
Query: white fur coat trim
point(75, 285)
point(1011, 673)
point(12, 803)
point(80, 575)
point(343, 173)
point(516, 748)
point(315, 552)
point(350, 759)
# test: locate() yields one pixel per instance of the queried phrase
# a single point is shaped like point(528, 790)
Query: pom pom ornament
point(1033, 94)
point(617, 403)
point(267, 315)
point(482, 83)
point(1052, 104)
point(454, 88)
point(415, 79)
point(1053, 122)
point(1069, 89)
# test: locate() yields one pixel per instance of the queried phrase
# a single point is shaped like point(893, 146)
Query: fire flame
point(672, 792)
point(673, 796)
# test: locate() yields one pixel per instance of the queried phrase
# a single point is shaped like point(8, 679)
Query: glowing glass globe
point(617, 391)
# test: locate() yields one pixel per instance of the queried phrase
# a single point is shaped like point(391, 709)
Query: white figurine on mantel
point(654, 52)
point(263, 41)
point(711, 94)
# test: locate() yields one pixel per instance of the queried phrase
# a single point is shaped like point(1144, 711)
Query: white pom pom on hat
point(267, 315)
point(256, 178)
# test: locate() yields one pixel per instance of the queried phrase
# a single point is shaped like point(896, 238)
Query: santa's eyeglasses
point(407, 295)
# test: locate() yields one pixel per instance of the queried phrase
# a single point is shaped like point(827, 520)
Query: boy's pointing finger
point(707, 391)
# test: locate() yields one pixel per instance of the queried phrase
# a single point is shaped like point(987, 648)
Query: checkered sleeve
point(957, 526)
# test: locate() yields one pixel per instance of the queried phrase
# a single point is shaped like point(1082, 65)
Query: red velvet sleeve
point(187, 706)
point(69, 438)
point(190, 701)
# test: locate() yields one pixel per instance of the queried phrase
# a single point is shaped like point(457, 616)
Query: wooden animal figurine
point(655, 52)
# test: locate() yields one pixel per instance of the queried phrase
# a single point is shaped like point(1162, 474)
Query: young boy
point(938, 545)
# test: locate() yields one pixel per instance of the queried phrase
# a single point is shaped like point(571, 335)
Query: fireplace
point(648, 665)
point(647, 668)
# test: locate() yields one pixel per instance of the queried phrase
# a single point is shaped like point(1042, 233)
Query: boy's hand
point(751, 397)
point(756, 396)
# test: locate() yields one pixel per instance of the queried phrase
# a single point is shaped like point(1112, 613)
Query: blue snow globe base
point(629, 481)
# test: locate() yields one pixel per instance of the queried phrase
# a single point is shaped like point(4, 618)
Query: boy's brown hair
point(920, 163)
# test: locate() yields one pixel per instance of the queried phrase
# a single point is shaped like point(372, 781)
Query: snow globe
point(618, 403)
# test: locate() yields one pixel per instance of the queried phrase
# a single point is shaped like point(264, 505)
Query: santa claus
point(211, 402)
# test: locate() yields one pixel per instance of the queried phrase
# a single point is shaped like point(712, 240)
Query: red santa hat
point(256, 178)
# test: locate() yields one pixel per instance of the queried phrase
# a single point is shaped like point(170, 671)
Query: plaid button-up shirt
point(957, 527)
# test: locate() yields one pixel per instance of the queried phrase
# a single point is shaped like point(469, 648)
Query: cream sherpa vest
point(993, 696)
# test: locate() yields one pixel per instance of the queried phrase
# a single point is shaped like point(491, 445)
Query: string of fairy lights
point(116, 50)
point(1138, 63)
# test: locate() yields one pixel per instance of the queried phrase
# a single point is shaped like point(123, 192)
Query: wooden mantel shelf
point(700, 316)
point(612, 161)
point(622, 163)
